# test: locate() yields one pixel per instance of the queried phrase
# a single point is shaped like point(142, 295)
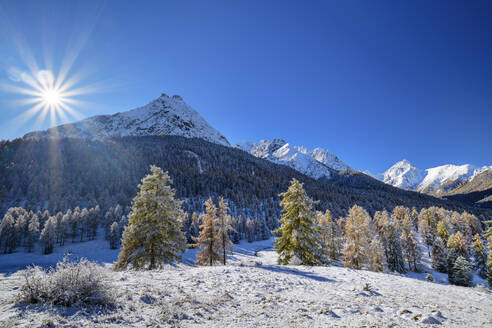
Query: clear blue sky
point(373, 81)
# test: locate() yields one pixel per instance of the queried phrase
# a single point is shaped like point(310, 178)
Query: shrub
point(70, 283)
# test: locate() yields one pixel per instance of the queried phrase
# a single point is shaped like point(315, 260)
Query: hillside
point(252, 291)
point(61, 173)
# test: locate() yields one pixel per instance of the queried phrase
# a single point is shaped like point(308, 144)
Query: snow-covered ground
point(251, 291)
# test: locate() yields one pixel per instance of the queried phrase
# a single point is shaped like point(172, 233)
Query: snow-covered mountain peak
point(403, 175)
point(162, 116)
point(437, 176)
point(316, 164)
point(436, 179)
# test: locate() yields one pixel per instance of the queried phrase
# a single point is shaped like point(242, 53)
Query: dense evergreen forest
point(61, 173)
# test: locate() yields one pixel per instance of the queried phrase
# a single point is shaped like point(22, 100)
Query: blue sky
point(373, 81)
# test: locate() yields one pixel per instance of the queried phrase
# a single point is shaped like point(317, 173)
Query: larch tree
point(299, 235)
point(377, 260)
point(358, 238)
point(225, 227)
point(480, 256)
point(208, 238)
point(488, 235)
point(153, 235)
point(442, 230)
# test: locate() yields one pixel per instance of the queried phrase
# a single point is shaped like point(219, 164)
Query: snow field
point(252, 291)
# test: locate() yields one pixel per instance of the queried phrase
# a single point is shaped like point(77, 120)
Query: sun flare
point(52, 97)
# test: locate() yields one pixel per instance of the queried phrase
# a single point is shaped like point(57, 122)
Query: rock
point(430, 320)
point(378, 309)
point(147, 299)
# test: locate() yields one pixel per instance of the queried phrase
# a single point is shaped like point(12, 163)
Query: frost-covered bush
point(70, 283)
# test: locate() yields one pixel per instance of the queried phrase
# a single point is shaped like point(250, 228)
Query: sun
point(52, 97)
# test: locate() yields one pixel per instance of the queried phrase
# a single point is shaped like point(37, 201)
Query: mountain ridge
point(162, 116)
point(317, 163)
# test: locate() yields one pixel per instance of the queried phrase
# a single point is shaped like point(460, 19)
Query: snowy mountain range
point(172, 116)
point(317, 163)
point(162, 116)
point(437, 180)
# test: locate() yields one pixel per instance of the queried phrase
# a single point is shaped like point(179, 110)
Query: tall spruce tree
point(462, 273)
point(395, 253)
point(208, 238)
point(439, 256)
point(299, 235)
point(153, 235)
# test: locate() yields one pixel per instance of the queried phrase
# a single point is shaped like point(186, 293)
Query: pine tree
point(208, 238)
point(114, 236)
point(358, 237)
point(377, 259)
point(59, 228)
point(480, 256)
point(48, 235)
point(462, 273)
point(414, 215)
point(412, 249)
point(94, 222)
point(83, 219)
point(8, 234)
point(299, 236)
point(489, 263)
point(108, 220)
point(381, 221)
point(426, 233)
point(65, 224)
point(33, 233)
point(250, 230)
point(225, 227)
point(488, 235)
point(439, 256)
point(74, 223)
point(330, 235)
point(153, 235)
point(395, 254)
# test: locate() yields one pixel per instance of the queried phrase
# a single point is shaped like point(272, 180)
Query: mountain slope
point(162, 116)
point(317, 163)
point(61, 173)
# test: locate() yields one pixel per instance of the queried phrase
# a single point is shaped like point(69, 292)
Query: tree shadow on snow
point(294, 271)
